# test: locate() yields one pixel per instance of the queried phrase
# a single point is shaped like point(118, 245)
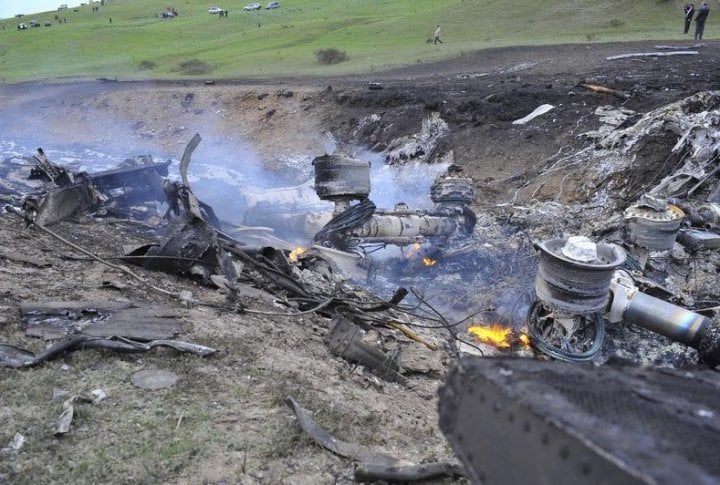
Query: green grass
point(375, 34)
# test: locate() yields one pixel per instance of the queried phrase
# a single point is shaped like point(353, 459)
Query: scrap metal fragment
point(139, 180)
point(652, 54)
point(15, 357)
point(185, 160)
point(345, 340)
point(14, 446)
point(540, 110)
point(359, 453)
point(679, 47)
point(62, 425)
point(372, 465)
point(46, 170)
point(522, 420)
point(56, 319)
point(62, 203)
point(695, 239)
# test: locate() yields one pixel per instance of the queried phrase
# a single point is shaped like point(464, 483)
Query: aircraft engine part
point(453, 190)
point(340, 178)
point(659, 316)
point(574, 274)
point(653, 229)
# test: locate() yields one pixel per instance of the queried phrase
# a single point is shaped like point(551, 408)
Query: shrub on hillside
point(194, 67)
point(147, 65)
point(330, 56)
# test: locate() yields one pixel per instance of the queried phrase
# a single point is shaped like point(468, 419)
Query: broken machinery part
point(528, 421)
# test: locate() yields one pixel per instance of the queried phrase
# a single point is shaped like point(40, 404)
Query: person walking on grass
point(700, 20)
point(437, 35)
point(689, 10)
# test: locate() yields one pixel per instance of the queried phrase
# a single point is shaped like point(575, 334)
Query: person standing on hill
point(700, 20)
point(437, 35)
point(689, 10)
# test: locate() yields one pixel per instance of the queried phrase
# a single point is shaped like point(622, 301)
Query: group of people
point(702, 14)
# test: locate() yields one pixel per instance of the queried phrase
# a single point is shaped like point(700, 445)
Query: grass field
point(375, 34)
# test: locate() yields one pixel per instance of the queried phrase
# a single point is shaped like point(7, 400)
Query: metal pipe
point(670, 320)
point(409, 226)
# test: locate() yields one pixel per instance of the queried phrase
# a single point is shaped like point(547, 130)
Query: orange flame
point(428, 261)
point(525, 340)
point(495, 335)
point(295, 254)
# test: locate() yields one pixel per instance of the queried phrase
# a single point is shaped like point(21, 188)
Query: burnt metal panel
point(527, 421)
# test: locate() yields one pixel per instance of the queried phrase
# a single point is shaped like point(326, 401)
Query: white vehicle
point(214, 10)
point(272, 5)
point(252, 6)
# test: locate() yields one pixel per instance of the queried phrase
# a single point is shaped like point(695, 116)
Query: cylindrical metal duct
point(667, 319)
point(338, 177)
point(453, 190)
point(576, 285)
point(407, 226)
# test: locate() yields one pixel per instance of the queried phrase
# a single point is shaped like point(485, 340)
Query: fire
point(296, 253)
point(495, 335)
point(428, 261)
point(525, 340)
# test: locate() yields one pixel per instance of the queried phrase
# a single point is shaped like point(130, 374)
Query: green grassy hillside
point(375, 34)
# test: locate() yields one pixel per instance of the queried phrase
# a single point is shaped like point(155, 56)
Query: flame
point(428, 261)
point(495, 335)
point(525, 340)
point(296, 253)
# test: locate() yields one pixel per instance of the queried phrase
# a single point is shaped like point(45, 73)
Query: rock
point(153, 379)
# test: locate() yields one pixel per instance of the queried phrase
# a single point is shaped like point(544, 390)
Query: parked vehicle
point(214, 10)
point(252, 6)
point(22, 26)
point(34, 23)
point(272, 5)
point(63, 6)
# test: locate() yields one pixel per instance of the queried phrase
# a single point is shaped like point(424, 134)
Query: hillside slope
point(125, 38)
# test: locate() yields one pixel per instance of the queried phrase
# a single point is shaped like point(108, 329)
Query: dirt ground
point(225, 421)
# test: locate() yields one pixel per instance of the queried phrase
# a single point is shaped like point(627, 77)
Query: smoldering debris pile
point(651, 189)
point(186, 239)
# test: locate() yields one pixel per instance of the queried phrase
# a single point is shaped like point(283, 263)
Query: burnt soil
point(225, 421)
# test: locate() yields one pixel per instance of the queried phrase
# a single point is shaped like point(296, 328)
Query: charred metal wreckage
point(343, 180)
point(615, 423)
point(195, 245)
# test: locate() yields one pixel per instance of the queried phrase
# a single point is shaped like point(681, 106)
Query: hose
point(352, 217)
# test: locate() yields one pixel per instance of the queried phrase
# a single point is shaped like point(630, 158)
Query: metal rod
point(667, 319)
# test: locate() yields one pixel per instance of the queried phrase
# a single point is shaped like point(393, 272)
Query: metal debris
point(345, 340)
point(539, 111)
point(653, 54)
point(580, 424)
point(64, 421)
point(15, 445)
point(373, 465)
point(53, 320)
point(16, 357)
